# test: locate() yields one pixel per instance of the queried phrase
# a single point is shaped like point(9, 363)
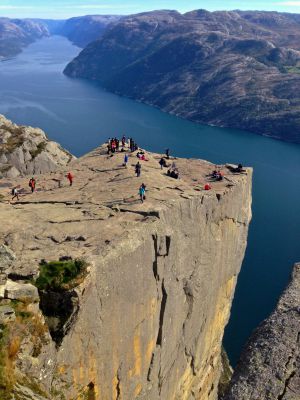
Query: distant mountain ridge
point(236, 68)
point(16, 34)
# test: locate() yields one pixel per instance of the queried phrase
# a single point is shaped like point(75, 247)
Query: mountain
point(83, 30)
point(15, 34)
point(236, 69)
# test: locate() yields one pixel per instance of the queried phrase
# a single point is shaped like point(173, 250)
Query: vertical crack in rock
point(190, 301)
point(162, 314)
point(150, 368)
point(155, 271)
point(118, 385)
point(168, 244)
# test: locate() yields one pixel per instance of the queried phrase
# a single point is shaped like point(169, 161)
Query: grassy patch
point(26, 325)
point(292, 69)
point(61, 275)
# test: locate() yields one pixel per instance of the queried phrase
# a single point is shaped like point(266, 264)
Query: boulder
point(21, 291)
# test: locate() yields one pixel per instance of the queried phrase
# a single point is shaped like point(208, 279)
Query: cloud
point(7, 7)
point(294, 3)
point(99, 6)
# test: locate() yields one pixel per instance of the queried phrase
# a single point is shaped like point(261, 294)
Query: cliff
point(233, 69)
point(269, 367)
point(26, 151)
point(145, 319)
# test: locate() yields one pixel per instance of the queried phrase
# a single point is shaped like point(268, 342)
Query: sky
point(60, 9)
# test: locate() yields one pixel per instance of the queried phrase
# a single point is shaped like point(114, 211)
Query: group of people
point(16, 191)
point(114, 145)
point(217, 175)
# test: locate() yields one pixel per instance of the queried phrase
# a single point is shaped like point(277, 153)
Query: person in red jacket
point(70, 178)
point(32, 184)
point(207, 186)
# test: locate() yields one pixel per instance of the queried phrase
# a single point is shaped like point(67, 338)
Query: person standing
point(32, 184)
point(70, 178)
point(167, 154)
point(125, 160)
point(138, 168)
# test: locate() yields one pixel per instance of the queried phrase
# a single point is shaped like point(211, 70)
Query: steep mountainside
point(270, 364)
point(235, 69)
point(145, 319)
point(83, 30)
point(25, 150)
point(15, 34)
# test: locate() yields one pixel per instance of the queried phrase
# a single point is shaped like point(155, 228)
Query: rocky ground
point(234, 69)
point(181, 248)
point(269, 367)
point(27, 151)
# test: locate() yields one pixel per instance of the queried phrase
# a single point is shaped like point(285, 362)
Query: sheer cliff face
point(148, 320)
point(25, 150)
point(235, 69)
point(269, 367)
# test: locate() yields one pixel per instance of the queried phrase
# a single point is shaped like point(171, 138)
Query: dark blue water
point(80, 116)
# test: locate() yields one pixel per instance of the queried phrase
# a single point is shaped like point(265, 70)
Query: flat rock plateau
point(147, 319)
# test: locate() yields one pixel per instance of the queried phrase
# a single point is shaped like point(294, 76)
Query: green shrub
point(61, 275)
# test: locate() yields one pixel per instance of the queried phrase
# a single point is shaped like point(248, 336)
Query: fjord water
point(80, 116)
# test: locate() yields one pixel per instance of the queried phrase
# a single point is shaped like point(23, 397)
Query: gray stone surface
point(269, 367)
point(20, 291)
point(27, 151)
point(152, 311)
point(7, 314)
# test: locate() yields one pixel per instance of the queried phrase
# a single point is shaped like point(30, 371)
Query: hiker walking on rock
point(142, 191)
point(15, 193)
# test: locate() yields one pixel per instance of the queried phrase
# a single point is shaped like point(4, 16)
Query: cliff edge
point(269, 367)
point(146, 320)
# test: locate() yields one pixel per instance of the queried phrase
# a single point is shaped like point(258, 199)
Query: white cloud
point(15, 7)
point(294, 3)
